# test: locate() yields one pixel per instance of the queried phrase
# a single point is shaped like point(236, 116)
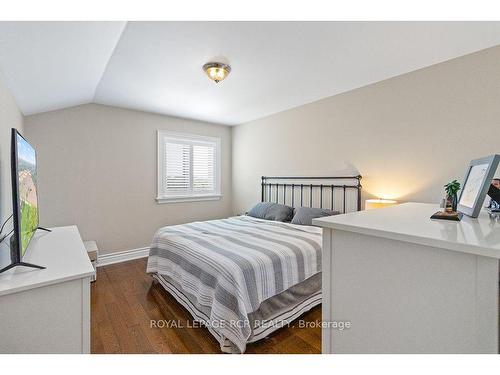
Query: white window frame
point(192, 197)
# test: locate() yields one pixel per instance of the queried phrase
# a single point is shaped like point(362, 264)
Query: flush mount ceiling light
point(216, 71)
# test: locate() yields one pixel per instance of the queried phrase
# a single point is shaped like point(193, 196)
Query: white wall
point(407, 136)
point(97, 169)
point(10, 117)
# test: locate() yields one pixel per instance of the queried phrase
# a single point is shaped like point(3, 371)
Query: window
point(188, 167)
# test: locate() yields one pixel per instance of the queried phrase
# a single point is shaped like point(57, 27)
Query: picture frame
point(476, 184)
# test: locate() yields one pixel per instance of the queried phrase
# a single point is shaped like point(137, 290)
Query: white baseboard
point(122, 256)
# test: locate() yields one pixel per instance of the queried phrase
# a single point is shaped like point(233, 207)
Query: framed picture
point(476, 184)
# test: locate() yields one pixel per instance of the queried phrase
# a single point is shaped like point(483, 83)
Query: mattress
point(229, 270)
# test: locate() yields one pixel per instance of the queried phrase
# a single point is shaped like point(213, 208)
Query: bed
point(245, 277)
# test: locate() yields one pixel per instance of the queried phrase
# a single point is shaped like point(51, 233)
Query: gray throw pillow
point(271, 211)
point(304, 215)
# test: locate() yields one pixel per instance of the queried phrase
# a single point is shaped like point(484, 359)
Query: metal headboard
point(320, 192)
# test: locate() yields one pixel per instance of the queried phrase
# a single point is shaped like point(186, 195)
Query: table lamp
point(379, 203)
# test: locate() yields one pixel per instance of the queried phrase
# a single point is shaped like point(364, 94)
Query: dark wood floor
point(125, 300)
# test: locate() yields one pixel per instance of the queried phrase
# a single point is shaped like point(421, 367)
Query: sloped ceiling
point(52, 65)
point(156, 66)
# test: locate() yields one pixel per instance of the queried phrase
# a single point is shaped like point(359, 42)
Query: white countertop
point(410, 222)
point(61, 251)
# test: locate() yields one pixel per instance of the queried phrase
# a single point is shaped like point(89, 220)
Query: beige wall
point(97, 169)
point(10, 117)
point(407, 135)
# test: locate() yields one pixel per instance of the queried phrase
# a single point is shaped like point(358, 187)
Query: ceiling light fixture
point(216, 71)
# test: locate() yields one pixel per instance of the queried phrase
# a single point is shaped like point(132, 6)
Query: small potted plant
point(451, 189)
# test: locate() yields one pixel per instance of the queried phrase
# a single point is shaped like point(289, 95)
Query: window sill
point(189, 198)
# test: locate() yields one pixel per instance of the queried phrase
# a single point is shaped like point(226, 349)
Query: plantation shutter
point(177, 167)
point(203, 168)
point(188, 166)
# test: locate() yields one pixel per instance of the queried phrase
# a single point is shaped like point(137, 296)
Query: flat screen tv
point(24, 199)
point(24, 191)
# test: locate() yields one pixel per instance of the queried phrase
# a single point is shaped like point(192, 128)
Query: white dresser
point(48, 311)
point(408, 284)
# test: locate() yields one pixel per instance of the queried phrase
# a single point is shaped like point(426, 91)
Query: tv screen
point(24, 191)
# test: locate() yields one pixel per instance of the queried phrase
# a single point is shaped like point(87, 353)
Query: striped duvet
point(233, 265)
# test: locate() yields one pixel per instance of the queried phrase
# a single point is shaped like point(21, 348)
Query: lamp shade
point(378, 203)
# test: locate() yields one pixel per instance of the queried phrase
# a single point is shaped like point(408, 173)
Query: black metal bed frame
point(268, 187)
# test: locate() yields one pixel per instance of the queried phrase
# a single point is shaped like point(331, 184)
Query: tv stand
point(15, 259)
point(22, 264)
point(48, 311)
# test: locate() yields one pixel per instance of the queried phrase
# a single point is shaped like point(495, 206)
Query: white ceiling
point(156, 66)
point(52, 65)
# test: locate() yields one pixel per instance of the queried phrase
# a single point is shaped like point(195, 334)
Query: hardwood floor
point(125, 300)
